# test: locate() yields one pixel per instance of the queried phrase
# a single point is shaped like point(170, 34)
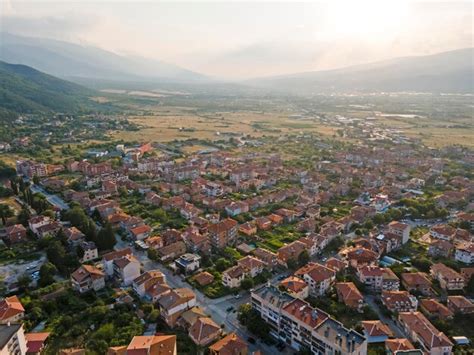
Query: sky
point(243, 39)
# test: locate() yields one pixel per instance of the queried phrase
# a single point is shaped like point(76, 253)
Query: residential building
point(12, 339)
point(204, 331)
point(433, 308)
point(35, 342)
point(204, 278)
point(173, 303)
point(74, 236)
point(15, 233)
point(86, 278)
point(38, 221)
point(188, 263)
point(268, 257)
point(295, 286)
point(421, 331)
point(464, 253)
point(252, 265)
point(231, 344)
point(90, 251)
point(400, 229)
point(399, 347)
point(378, 279)
point(234, 276)
point(318, 277)
point(126, 269)
point(447, 277)
point(440, 247)
point(140, 232)
point(348, 293)
point(460, 304)
point(108, 260)
point(290, 252)
point(152, 345)
point(149, 278)
point(223, 233)
point(11, 310)
point(376, 332)
point(417, 281)
point(299, 325)
point(399, 301)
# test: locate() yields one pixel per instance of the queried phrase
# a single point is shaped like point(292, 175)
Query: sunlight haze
point(250, 39)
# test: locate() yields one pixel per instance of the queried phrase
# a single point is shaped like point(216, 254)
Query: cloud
point(69, 26)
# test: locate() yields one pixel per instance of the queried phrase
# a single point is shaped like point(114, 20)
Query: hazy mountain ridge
point(26, 90)
point(68, 60)
point(443, 72)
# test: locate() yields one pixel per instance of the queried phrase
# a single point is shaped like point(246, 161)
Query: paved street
point(55, 200)
point(215, 308)
point(370, 300)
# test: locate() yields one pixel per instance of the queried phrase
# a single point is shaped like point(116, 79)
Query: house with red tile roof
point(417, 281)
point(440, 247)
point(400, 229)
point(433, 308)
point(289, 252)
point(15, 233)
point(318, 277)
point(11, 310)
point(173, 303)
point(204, 278)
point(126, 269)
point(204, 331)
point(375, 331)
point(108, 260)
point(460, 304)
point(152, 344)
point(399, 301)
point(348, 293)
point(464, 253)
point(295, 286)
point(35, 342)
point(86, 278)
point(448, 278)
point(420, 330)
point(378, 279)
point(398, 346)
point(140, 232)
point(231, 344)
point(223, 233)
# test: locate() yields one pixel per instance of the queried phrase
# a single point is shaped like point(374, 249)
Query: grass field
point(168, 124)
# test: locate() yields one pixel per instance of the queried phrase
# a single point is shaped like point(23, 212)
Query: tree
point(36, 180)
point(252, 320)
point(292, 264)
point(303, 258)
point(57, 255)
point(106, 238)
point(5, 212)
point(24, 281)
point(247, 283)
point(46, 273)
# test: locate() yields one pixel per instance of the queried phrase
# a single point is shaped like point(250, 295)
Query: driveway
point(370, 300)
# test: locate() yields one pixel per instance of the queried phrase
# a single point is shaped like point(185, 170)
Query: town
point(299, 243)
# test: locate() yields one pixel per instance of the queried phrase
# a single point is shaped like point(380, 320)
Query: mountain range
point(94, 67)
point(27, 90)
point(70, 61)
point(442, 72)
